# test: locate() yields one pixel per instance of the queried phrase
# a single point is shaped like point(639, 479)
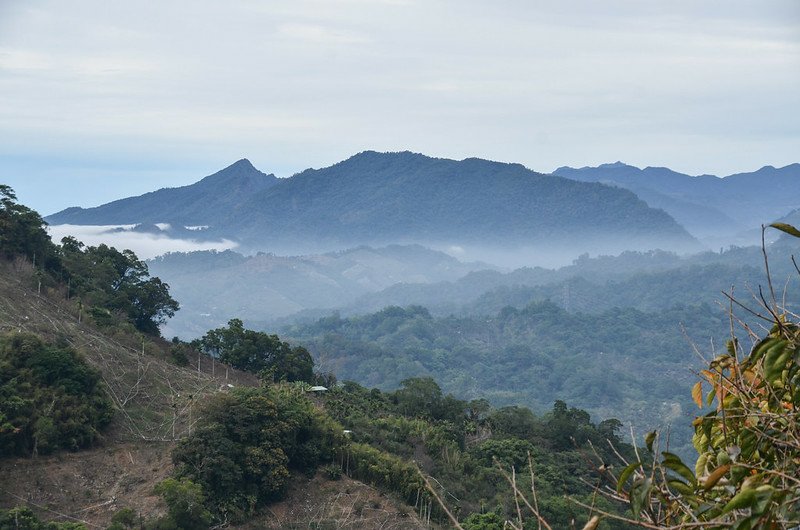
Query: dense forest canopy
point(601, 362)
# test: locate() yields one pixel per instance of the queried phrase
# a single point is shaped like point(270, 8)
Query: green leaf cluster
point(117, 282)
point(746, 474)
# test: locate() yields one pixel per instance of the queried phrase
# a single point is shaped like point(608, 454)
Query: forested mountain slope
point(198, 204)
point(706, 205)
point(375, 198)
point(605, 363)
point(383, 198)
point(214, 287)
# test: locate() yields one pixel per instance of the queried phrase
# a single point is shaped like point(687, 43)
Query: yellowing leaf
point(649, 439)
point(697, 394)
point(789, 229)
point(715, 475)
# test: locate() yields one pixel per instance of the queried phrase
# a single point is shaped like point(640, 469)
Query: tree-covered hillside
point(214, 287)
point(384, 198)
point(103, 281)
point(376, 198)
point(624, 363)
point(708, 206)
point(648, 281)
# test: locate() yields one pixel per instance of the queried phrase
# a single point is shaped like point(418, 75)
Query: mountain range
point(706, 205)
point(385, 198)
point(197, 204)
point(215, 286)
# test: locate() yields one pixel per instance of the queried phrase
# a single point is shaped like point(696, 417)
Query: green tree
point(22, 232)
point(185, 505)
point(246, 443)
point(120, 282)
point(258, 352)
point(485, 521)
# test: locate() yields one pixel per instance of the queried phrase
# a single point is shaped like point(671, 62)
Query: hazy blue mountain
point(197, 204)
point(372, 198)
point(214, 287)
point(401, 198)
point(706, 205)
point(644, 281)
point(792, 218)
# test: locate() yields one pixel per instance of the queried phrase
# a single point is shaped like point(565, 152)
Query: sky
point(103, 99)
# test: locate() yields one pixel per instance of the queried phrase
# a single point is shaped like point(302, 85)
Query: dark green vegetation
point(104, 279)
point(648, 281)
point(117, 282)
point(248, 441)
point(612, 335)
point(50, 398)
point(464, 445)
point(380, 198)
point(620, 362)
point(257, 352)
point(22, 232)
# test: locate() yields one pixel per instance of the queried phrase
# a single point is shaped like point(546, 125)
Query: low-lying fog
point(146, 245)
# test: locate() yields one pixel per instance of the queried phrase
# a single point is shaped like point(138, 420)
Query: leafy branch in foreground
point(747, 475)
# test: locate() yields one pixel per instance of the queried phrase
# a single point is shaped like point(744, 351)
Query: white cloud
point(318, 34)
point(146, 246)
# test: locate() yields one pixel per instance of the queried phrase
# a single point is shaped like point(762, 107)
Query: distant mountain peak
point(193, 204)
point(241, 170)
point(616, 164)
point(242, 163)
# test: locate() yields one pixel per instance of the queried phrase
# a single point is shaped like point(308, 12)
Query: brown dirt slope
point(154, 398)
point(343, 504)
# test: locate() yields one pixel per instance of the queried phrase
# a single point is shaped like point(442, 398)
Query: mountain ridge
point(408, 197)
point(222, 189)
point(374, 198)
point(706, 205)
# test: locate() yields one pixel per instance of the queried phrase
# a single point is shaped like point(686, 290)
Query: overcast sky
point(105, 99)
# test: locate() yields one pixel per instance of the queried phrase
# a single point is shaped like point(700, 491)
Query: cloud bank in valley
point(145, 245)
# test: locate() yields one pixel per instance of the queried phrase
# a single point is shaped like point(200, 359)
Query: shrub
point(243, 449)
point(49, 398)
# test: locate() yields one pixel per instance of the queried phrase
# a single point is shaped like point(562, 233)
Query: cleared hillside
point(154, 403)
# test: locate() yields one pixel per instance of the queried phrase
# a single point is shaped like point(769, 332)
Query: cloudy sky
point(102, 99)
